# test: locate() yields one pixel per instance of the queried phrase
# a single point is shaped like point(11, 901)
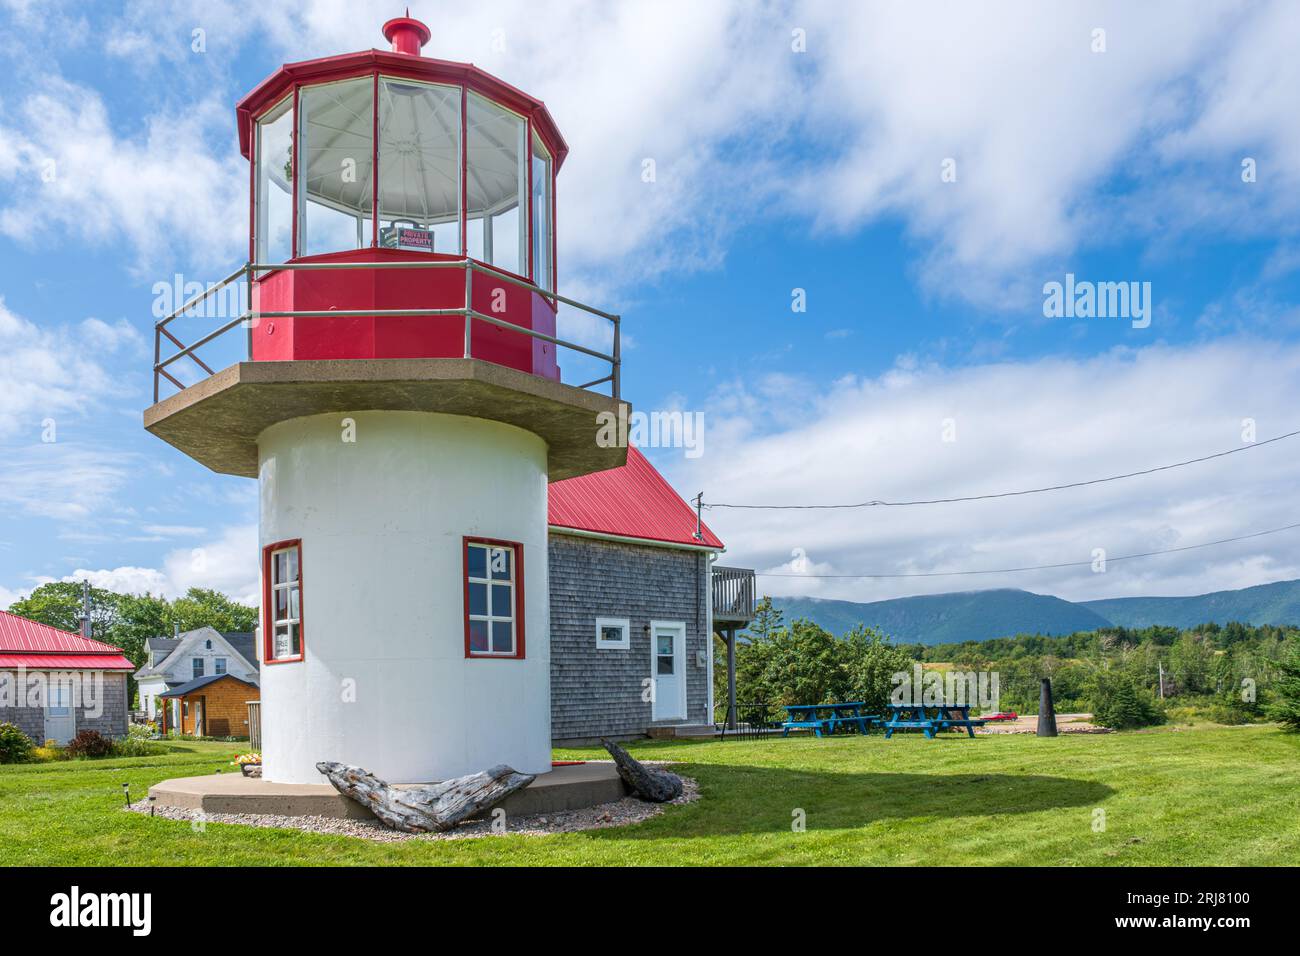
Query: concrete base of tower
point(567, 787)
point(382, 507)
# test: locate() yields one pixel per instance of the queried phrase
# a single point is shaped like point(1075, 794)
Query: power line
point(1036, 567)
point(1007, 494)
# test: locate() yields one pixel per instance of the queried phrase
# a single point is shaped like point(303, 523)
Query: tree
point(871, 663)
point(767, 620)
point(1118, 703)
point(1286, 689)
point(58, 604)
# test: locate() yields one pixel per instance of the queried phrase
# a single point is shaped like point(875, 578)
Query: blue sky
point(797, 146)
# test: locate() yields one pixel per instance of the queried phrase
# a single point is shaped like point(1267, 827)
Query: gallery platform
point(566, 787)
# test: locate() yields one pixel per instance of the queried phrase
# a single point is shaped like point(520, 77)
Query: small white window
point(197, 665)
point(613, 634)
point(218, 665)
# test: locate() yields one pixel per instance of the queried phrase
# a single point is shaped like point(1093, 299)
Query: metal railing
point(752, 721)
point(250, 317)
point(733, 594)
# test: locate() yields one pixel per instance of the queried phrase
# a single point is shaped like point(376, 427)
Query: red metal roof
point(67, 662)
point(633, 501)
point(25, 643)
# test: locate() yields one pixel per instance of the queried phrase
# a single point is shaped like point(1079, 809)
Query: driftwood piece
point(657, 786)
point(428, 807)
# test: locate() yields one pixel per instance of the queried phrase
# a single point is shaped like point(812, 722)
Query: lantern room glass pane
point(336, 152)
point(496, 185)
point(273, 229)
point(541, 215)
point(419, 166)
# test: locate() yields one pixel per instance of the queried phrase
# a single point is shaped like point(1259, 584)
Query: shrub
point(1286, 691)
point(141, 731)
point(136, 747)
point(1118, 703)
point(89, 743)
point(15, 746)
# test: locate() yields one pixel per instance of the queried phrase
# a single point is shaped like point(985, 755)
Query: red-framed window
point(494, 598)
point(282, 634)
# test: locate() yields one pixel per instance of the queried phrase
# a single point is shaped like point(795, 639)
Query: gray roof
point(242, 641)
point(162, 645)
point(198, 682)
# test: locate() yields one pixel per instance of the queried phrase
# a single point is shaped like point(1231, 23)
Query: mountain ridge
point(958, 616)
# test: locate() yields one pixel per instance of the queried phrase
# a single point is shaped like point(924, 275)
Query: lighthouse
point(402, 398)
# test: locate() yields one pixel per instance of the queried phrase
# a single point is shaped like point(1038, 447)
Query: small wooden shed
point(212, 706)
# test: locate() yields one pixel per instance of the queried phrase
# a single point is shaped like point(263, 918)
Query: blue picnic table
point(929, 718)
point(827, 718)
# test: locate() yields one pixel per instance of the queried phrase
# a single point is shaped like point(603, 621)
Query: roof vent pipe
point(406, 35)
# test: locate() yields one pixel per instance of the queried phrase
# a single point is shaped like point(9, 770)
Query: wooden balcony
point(733, 595)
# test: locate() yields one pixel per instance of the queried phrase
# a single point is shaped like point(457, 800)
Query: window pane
point(478, 637)
point(477, 561)
point(281, 604)
point(282, 646)
point(197, 665)
point(501, 605)
point(274, 229)
point(337, 124)
point(665, 665)
point(219, 665)
point(611, 634)
point(478, 599)
point(665, 644)
point(541, 215)
point(291, 563)
point(295, 611)
point(419, 166)
point(503, 637)
point(497, 185)
point(279, 567)
point(499, 560)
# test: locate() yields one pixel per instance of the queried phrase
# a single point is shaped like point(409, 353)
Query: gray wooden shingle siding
point(598, 692)
point(108, 716)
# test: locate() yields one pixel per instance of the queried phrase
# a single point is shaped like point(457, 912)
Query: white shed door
point(668, 669)
point(60, 722)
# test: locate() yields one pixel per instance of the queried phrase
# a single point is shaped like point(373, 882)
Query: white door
point(668, 669)
point(60, 721)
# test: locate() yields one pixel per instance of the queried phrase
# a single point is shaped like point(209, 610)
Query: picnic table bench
point(827, 718)
point(930, 718)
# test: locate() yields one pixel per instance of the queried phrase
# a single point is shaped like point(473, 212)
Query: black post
point(731, 678)
point(1046, 711)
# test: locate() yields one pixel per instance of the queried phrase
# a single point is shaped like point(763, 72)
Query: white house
point(203, 652)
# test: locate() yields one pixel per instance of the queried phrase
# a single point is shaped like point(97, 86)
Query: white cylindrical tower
point(402, 408)
point(380, 523)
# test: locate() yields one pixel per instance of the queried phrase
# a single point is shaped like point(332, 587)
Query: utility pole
point(1161, 665)
point(85, 609)
point(699, 506)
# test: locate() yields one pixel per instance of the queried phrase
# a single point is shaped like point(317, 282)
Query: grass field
point(1204, 796)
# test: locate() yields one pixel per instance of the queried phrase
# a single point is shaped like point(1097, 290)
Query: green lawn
point(1211, 795)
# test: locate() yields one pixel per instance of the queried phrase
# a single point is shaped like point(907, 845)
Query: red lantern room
point(379, 157)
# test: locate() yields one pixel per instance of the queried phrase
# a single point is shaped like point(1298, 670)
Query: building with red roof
point(634, 604)
point(54, 683)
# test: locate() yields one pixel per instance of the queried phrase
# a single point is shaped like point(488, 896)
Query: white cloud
point(164, 191)
point(1018, 425)
point(227, 564)
point(47, 372)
